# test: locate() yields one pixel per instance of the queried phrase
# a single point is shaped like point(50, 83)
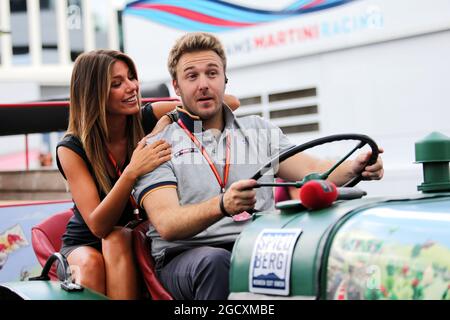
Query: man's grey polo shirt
point(254, 141)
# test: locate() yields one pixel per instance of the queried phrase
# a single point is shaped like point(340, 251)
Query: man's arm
point(175, 222)
point(298, 166)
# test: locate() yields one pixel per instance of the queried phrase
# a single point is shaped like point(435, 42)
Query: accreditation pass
point(270, 266)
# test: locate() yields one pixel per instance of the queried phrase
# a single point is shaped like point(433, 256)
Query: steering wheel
point(363, 140)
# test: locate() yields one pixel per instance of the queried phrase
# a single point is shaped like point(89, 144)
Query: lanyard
point(226, 169)
point(119, 173)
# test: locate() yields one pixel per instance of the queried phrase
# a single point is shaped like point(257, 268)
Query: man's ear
point(175, 87)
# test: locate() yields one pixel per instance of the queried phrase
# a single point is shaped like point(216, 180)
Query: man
point(193, 200)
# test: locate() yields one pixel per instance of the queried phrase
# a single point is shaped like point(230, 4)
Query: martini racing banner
point(252, 35)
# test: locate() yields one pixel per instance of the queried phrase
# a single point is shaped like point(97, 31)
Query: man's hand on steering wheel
point(372, 172)
point(240, 197)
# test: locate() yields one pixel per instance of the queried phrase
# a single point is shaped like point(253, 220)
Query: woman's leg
point(88, 268)
point(121, 271)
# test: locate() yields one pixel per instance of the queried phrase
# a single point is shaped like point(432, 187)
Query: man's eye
point(191, 76)
point(212, 73)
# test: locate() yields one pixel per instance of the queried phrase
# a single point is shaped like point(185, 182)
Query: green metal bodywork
point(315, 226)
point(396, 250)
point(46, 290)
point(309, 260)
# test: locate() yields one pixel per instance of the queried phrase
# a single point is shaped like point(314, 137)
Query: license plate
point(270, 267)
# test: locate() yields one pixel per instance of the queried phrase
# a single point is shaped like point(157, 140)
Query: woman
point(101, 156)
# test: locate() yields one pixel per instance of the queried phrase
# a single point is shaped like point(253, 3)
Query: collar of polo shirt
point(194, 124)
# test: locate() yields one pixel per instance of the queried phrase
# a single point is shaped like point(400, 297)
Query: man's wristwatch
point(222, 206)
point(173, 115)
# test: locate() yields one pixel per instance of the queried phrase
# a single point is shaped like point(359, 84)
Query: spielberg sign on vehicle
point(270, 267)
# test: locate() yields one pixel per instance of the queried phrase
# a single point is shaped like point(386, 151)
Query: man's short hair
point(192, 42)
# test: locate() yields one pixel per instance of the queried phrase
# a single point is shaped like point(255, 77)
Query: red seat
point(142, 249)
point(46, 237)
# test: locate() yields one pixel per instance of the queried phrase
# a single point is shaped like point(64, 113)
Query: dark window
point(21, 5)
point(299, 128)
point(46, 4)
point(300, 111)
point(288, 95)
point(18, 5)
point(250, 101)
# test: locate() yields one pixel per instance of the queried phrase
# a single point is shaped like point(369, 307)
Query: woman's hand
point(163, 122)
point(146, 158)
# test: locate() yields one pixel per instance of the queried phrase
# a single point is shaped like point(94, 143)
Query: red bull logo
point(11, 240)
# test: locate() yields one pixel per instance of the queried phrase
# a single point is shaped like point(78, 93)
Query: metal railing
point(39, 117)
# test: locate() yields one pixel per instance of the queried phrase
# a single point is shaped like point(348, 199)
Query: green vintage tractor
point(354, 248)
point(361, 248)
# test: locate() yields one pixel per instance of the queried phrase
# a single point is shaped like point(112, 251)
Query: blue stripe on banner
point(221, 10)
point(297, 5)
point(323, 6)
point(218, 3)
point(175, 22)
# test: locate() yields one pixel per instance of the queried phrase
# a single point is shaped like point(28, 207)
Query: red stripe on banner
point(18, 203)
point(193, 15)
point(312, 4)
point(35, 104)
